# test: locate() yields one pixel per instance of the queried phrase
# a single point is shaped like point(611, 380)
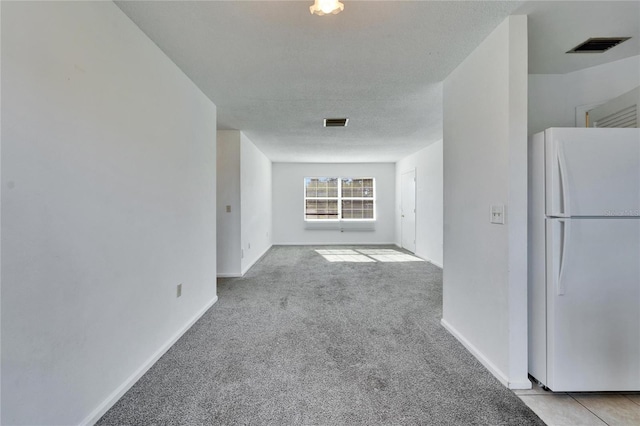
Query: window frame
point(339, 199)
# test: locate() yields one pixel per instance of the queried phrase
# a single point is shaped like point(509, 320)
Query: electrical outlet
point(179, 290)
point(497, 214)
point(228, 209)
point(241, 253)
point(249, 246)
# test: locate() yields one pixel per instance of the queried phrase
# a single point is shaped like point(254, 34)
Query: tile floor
point(583, 409)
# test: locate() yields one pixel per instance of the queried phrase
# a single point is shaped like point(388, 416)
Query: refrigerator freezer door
point(592, 172)
point(593, 304)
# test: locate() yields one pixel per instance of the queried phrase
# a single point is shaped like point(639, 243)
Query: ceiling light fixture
point(325, 7)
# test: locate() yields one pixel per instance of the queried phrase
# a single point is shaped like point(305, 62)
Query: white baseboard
point(520, 384)
point(476, 353)
point(229, 275)
point(124, 387)
point(246, 269)
point(434, 263)
point(359, 243)
point(438, 264)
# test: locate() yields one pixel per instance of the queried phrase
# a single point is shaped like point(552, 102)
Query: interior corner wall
point(288, 203)
point(228, 196)
point(108, 170)
point(428, 164)
point(256, 207)
point(553, 98)
point(485, 163)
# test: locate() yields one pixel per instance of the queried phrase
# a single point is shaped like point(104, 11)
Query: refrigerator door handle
point(564, 185)
point(564, 243)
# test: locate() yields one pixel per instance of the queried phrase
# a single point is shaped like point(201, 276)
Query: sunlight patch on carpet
point(336, 251)
point(347, 258)
point(400, 257)
point(367, 255)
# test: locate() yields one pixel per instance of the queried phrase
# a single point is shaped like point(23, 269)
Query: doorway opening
point(408, 210)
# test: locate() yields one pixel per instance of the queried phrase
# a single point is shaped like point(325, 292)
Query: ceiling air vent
point(336, 122)
point(598, 44)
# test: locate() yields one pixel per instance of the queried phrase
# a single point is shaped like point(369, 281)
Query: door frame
point(415, 208)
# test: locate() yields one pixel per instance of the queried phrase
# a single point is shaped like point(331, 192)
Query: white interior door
point(408, 210)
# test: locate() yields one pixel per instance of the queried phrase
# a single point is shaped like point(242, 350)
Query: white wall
point(244, 183)
point(485, 163)
point(108, 165)
point(429, 186)
point(228, 194)
point(288, 203)
point(553, 98)
point(256, 209)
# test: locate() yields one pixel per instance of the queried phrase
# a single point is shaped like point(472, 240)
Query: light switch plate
point(228, 209)
point(497, 214)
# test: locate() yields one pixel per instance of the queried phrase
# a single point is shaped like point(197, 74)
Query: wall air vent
point(598, 44)
point(336, 122)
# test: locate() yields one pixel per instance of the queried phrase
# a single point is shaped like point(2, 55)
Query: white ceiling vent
point(598, 44)
point(336, 122)
point(627, 117)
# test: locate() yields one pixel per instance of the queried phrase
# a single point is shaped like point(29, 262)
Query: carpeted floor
point(300, 340)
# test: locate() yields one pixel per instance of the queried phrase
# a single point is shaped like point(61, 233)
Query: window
point(339, 198)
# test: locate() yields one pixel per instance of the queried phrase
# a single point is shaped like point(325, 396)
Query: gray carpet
point(300, 340)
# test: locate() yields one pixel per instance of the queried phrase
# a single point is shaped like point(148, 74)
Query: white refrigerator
point(584, 259)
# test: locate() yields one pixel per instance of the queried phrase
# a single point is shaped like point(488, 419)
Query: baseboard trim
point(476, 353)
point(124, 387)
point(245, 270)
point(439, 265)
point(520, 384)
point(426, 259)
point(360, 243)
point(229, 275)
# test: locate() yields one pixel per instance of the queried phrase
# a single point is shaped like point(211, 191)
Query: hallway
point(304, 340)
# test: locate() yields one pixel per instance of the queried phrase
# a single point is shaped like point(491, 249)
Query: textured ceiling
point(275, 71)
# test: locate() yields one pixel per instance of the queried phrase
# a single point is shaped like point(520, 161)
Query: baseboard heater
point(346, 226)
